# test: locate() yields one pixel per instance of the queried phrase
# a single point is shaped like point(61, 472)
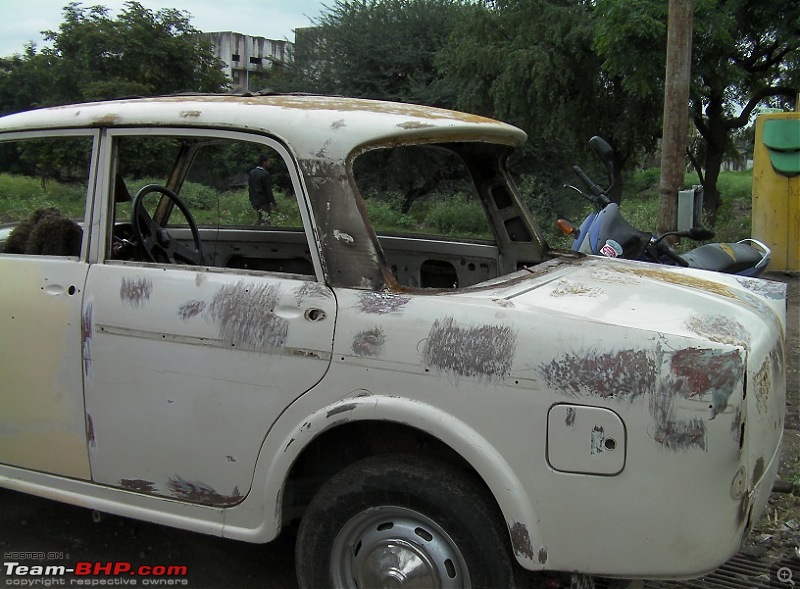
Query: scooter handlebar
point(599, 194)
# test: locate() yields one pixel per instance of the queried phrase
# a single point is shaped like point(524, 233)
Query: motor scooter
point(605, 232)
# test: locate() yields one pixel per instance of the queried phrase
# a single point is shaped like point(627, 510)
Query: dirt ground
point(778, 531)
point(33, 525)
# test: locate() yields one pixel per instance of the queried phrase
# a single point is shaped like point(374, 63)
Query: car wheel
point(403, 521)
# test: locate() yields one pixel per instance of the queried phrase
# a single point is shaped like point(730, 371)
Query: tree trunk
point(714, 130)
point(676, 111)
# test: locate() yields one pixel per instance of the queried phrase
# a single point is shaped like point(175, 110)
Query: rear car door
point(189, 366)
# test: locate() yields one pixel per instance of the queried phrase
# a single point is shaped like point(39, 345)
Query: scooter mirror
point(699, 234)
point(603, 150)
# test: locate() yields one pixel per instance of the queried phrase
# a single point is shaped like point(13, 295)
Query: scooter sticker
point(611, 249)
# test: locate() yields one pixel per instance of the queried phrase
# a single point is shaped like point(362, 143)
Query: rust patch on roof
point(198, 492)
point(138, 485)
point(246, 315)
point(698, 371)
point(720, 329)
point(485, 351)
point(381, 303)
point(411, 125)
point(369, 342)
point(624, 374)
point(135, 291)
point(521, 540)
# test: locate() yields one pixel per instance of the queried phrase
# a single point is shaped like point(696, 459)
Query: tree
point(383, 49)
point(745, 52)
point(95, 57)
point(532, 63)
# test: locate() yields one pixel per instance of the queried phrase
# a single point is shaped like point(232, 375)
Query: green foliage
point(21, 195)
point(381, 49)
point(386, 215)
point(744, 53)
point(458, 216)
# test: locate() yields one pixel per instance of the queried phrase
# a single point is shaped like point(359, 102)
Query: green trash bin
point(776, 188)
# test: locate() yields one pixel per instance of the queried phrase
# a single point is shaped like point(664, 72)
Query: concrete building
point(244, 55)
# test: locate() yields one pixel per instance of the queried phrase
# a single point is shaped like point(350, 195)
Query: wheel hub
point(395, 547)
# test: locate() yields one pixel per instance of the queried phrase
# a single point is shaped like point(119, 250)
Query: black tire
point(434, 518)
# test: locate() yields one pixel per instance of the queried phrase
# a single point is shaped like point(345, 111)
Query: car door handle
point(315, 314)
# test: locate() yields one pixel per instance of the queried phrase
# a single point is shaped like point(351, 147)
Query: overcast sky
point(21, 21)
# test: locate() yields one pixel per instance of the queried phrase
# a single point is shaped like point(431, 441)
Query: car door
point(189, 366)
point(46, 180)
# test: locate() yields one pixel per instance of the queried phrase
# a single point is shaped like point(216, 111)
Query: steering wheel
point(154, 241)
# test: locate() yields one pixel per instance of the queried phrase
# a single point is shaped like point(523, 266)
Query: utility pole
point(676, 111)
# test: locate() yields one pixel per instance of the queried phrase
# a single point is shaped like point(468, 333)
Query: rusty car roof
point(304, 122)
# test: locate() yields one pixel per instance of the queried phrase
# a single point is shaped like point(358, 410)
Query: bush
point(458, 216)
point(385, 215)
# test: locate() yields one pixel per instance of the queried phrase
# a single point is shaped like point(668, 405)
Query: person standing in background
point(260, 186)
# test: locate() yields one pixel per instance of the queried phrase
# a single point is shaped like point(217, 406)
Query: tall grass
point(453, 215)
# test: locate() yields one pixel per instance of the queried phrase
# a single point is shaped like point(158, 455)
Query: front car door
point(45, 179)
point(188, 366)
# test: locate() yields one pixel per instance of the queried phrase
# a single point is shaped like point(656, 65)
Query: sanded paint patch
point(758, 472)
point(766, 288)
point(699, 371)
point(670, 432)
point(191, 309)
point(138, 485)
point(475, 351)
point(90, 439)
point(736, 424)
point(542, 556)
point(311, 290)
point(720, 329)
point(682, 434)
point(381, 303)
point(87, 334)
point(521, 540)
point(564, 289)
point(762, 385)
point(369, 342)
point(246, 316)
point(198, 492)
point(135, 291)
point(624, 374)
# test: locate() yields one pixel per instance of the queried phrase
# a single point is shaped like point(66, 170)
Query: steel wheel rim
point(392, 547)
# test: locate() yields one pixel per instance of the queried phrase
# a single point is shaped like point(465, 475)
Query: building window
point(255, 60)
point(235, 57)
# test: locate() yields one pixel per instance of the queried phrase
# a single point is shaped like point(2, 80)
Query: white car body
point(626, 418)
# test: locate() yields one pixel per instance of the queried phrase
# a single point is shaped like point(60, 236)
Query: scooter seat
point(731, 258)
